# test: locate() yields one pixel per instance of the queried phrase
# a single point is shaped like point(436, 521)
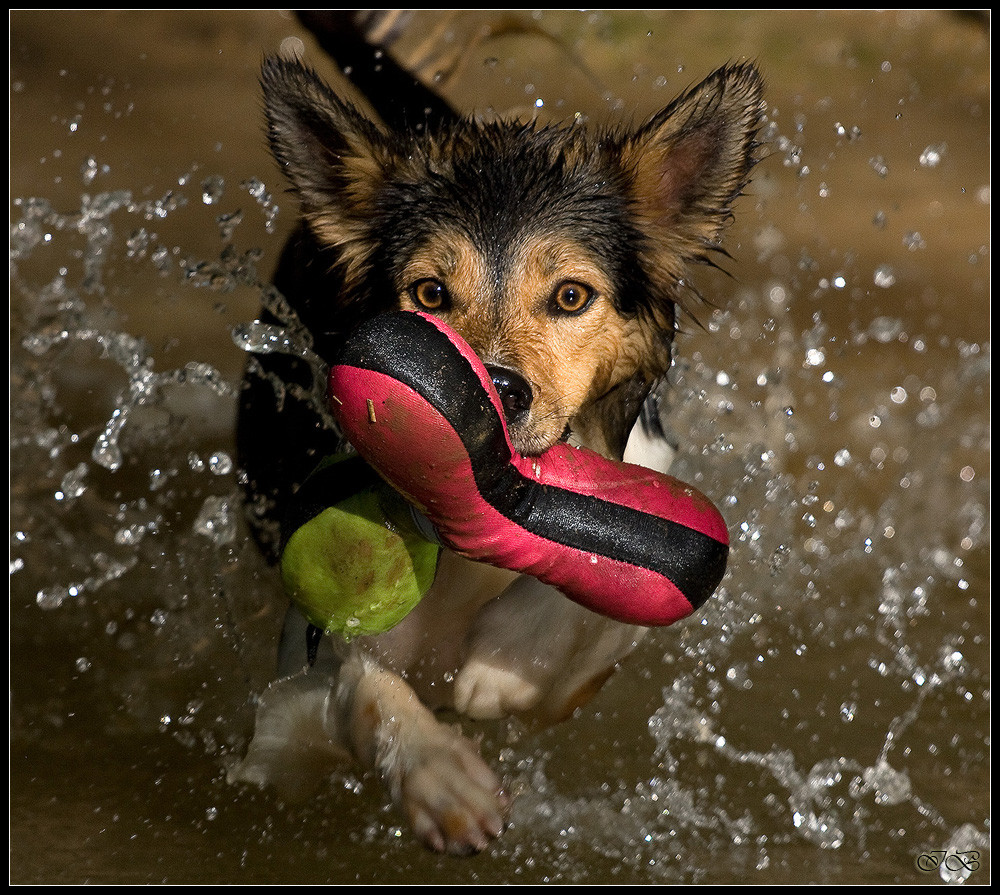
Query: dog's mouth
point(530, 443)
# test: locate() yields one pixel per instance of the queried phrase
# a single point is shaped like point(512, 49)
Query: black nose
point(515, 393)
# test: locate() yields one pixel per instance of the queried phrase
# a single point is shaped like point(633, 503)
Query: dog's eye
point(430, 294)
point(571, 297)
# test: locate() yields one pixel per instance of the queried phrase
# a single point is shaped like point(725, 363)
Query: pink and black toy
point(629, 543)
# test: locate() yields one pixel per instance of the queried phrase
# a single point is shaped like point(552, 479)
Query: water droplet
point(779, 559)
point(158, 478)
point(258, 190)
point(106, 452)
point(138, 243)
point(161, 259)
point(52, 597)
point(884, 276)
point(932, 155)
point(889, 785)
point(963, 854)
point(130, 535)
point(90, 169)
point(885, 329)
point(212, 189)
point(216, 520)
point(220, 463)
point(953, 661)
point(72, 483)
point(228, 224)
point(262, 338)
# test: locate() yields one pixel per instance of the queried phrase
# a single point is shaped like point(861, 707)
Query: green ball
point(353, 573)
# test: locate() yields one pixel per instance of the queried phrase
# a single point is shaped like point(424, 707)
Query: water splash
point(68, 327)
point(216, 520)
point(816, 699)
point(812, 704)
point(107, 569)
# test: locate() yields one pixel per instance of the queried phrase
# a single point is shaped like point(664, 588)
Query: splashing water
point(823, 717)
point(816, 569)
point(123, 470)
point(827, 678)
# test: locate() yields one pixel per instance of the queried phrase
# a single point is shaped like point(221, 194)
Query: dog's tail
point(359, 41)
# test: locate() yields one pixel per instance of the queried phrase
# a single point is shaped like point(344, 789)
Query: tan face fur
point(548, 316)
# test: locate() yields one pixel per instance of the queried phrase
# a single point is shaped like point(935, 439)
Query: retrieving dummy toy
point(421, 410)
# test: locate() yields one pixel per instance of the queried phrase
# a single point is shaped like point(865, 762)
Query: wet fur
point(561, 254)
point(503, 212)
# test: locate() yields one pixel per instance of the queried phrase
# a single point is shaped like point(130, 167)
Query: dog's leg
point(297, 741)
point(450, 796)
point(534, 652)
point(349, 706)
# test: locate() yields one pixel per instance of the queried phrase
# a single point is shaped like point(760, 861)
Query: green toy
point(355, 560)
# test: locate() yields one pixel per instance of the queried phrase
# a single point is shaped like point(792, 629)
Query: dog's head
point(558, 253)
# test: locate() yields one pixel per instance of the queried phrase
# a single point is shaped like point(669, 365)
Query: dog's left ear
point(690, 162)
point(685, 167)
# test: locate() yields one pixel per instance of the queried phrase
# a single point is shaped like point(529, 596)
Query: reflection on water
point(823, 719)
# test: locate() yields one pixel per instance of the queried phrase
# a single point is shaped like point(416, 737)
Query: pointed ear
point(690, 162)
point(332, 155)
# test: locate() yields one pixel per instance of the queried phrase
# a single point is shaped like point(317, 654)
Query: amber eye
point(571, 297)
point(430, 294)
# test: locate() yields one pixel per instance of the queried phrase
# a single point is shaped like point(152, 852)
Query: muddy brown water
point(825, 719)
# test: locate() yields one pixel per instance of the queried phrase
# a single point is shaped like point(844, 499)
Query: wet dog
point(561, 255)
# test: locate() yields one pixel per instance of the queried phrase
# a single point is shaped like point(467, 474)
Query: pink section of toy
point(419, 452)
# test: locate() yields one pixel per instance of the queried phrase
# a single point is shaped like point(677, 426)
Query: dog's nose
point(515, 393)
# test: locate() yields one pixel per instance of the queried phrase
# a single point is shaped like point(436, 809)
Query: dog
point(561, 254)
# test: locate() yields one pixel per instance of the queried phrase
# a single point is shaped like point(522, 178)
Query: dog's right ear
point(334, 157)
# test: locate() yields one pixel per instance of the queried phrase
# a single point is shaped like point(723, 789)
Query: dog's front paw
point(452, 799)
point(485, 690)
